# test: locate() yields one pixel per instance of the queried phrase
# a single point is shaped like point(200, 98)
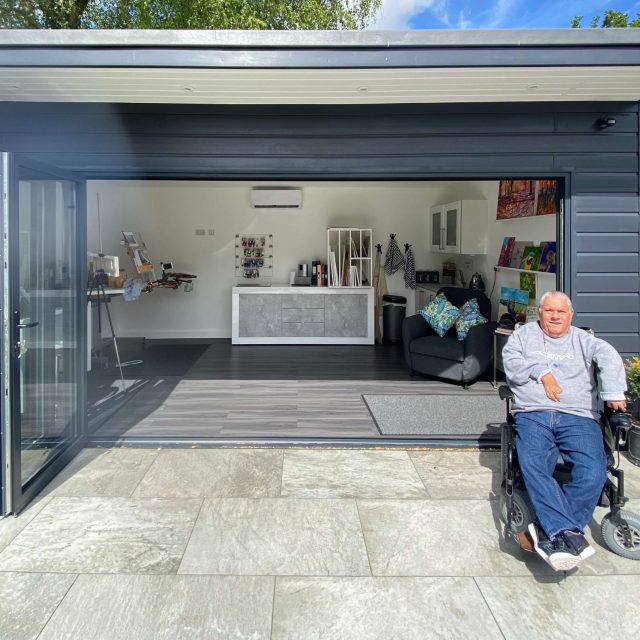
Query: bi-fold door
point(44, 324)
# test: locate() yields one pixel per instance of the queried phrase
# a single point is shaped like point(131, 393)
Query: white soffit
point(319, 86)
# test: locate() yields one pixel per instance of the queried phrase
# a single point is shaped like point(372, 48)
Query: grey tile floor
point(294, 543)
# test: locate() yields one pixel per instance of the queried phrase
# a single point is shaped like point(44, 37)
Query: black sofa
point(447, 357)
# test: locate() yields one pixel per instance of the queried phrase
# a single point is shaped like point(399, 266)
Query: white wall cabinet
point(459, 227)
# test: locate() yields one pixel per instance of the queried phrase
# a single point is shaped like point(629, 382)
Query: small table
point(504, 336)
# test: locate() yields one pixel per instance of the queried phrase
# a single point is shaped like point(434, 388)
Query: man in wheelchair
point(549, 366)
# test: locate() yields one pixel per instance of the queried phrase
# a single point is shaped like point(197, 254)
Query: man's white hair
point(555, 294)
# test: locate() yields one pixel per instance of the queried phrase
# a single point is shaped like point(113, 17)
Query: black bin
point(393, 312)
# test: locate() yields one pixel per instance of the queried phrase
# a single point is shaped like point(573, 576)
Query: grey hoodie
point(530, 353)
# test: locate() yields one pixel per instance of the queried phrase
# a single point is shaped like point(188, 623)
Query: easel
point(101, 298)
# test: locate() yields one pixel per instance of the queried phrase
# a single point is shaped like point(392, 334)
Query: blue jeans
point(540, 436)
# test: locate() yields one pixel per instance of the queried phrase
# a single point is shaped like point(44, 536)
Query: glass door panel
point(46, 299)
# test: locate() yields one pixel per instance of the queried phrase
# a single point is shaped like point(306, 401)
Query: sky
point(494, 14)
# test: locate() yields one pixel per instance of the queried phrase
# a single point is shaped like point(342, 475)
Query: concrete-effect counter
point(302, 315)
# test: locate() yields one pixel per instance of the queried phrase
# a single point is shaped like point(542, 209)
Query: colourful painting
point(548, 198)
point(548, 257)
point(531, 258)
point(513, 302)
point(506, 251)
point(528, 283)
point(518, 251)
point(516, 199)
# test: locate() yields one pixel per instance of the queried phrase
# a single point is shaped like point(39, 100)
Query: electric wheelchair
point(620, 529)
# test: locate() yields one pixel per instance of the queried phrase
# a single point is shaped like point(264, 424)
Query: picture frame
point(130, 238)
point(506, 251)
point(531, 258)
point(548, 257)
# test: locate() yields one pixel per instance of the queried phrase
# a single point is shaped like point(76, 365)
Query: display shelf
point(254, 256)
point(538, 273)
point(349, 257)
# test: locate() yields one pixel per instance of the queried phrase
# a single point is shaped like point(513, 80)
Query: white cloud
point(396, 14)
point(498, 13)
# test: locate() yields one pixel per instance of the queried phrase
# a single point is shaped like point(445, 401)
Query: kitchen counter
point(286, 314)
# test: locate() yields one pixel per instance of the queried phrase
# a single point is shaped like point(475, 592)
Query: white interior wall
point(167, 213)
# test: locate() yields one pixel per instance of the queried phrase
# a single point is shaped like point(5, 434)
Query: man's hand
point(551, 387)
point(617, 405)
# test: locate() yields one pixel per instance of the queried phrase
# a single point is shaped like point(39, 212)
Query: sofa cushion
point(446, 348)
point(440, 314)
point(470, 316)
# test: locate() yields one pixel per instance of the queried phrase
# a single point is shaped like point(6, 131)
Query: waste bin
point(393, 311)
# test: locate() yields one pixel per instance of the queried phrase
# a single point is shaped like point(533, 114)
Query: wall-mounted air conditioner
point(276, 198)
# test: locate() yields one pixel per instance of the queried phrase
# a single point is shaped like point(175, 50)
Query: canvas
point(518, 251)
point(548, 257)
point(506, 251)
point(514, 302)
point(547, 197)
point(516, 199)
point(531, 258)
point(528, 283)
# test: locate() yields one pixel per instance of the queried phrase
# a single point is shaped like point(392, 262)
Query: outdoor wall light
point(604, 123)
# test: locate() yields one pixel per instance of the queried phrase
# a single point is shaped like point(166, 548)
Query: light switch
point(200, 232)
point(211, 232)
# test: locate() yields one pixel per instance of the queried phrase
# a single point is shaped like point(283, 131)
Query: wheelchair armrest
point(505, 392)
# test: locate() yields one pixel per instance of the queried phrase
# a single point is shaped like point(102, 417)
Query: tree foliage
point(611, 19)
point(187, 14)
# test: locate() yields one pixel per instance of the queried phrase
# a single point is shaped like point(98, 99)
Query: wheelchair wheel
point(523, 512)
point(614, 538)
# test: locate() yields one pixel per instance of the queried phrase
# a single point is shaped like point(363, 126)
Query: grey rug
point(465, 413)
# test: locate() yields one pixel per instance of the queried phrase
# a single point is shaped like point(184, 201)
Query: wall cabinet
point(459, 227)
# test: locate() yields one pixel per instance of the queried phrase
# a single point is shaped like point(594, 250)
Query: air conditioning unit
point(276, 198)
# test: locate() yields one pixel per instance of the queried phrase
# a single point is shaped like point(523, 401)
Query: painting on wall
point(548, 198)
point(516, 199)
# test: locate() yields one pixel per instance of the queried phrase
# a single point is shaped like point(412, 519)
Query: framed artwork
point(531, 258)
point(548, 257)
point(548, 198)
point(506, 251)
point(514, 303)
point(528, 283)
point(516, 199)
point(518, 251)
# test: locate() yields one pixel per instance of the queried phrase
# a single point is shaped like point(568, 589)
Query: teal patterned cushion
point(440, 314)
point(470, 316)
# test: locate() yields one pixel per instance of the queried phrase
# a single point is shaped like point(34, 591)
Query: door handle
point(27, 325)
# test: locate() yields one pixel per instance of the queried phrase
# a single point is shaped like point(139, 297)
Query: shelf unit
point(349, 260)
point(538, 273)
point(254, 256)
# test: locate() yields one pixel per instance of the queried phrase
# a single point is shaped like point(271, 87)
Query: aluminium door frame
point(14, 495)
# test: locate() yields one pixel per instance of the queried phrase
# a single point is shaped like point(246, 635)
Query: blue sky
point(493, 14)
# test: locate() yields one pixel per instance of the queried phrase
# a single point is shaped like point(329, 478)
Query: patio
point(292, 543)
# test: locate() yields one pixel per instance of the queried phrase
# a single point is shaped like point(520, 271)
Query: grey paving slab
point(380, 609)
point(440, 538)
point(102, 472)
point(357, 474)
point(121, 607)
point(575, 608)
point(277, 536)
point(213, 473)
point(104, 535)
point(458, 474)
point(11, 526)
point(22, 616)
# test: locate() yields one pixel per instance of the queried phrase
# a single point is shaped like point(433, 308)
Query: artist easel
point(99, 295)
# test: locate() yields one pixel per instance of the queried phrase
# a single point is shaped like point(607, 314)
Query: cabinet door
point(436, 222)
point(452, 215)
